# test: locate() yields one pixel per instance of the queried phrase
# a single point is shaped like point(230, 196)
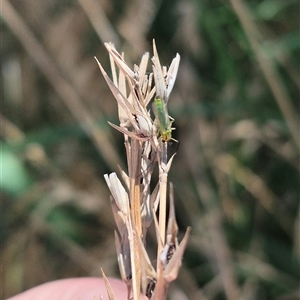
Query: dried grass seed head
point(132, 107)
point(164, 81)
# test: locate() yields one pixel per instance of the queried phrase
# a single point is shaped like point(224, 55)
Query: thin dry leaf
point(110, 292)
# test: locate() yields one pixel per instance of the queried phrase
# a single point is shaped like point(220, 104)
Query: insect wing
point(161, 114)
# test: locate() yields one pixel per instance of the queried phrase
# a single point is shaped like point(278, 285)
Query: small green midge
point(163, 119)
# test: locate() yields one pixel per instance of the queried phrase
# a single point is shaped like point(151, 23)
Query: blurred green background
point(236, 110)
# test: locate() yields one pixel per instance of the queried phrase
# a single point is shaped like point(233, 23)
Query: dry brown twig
point(134, 204)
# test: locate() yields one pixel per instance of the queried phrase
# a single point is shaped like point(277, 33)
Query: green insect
point(163, 119)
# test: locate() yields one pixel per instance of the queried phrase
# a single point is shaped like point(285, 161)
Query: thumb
point(75, 289)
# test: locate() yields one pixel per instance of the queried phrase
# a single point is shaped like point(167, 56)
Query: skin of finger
point(75, 289)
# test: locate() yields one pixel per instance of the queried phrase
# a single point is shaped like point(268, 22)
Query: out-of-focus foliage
point(236, 110)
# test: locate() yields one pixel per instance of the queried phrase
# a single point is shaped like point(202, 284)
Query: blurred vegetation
point(236, 110)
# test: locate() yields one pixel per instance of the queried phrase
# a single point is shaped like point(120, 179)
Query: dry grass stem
point(133, 203)
point(269, 71)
